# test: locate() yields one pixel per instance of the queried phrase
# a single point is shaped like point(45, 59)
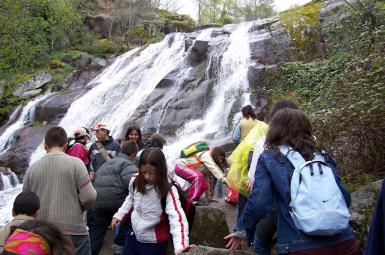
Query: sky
point(188, 6)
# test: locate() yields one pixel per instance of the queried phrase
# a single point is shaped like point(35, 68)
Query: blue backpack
point(317, 205)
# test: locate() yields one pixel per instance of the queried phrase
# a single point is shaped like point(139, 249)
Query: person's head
point(130, 148)
point(153, 170)
point(56, 137)
point(291, 127)
point(27, 203)
point(134, 133)
point(281, 104)
point(156, 141)
point(102, 131)
point(39, 236)
point(248, 112)
point(219, 156)
point(81, 135)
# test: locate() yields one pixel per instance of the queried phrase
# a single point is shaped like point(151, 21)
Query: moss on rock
point(302, 25)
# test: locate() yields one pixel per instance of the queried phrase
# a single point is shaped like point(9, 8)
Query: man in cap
point(104, 149)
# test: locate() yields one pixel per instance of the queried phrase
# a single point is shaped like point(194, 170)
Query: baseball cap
point(100, 125)
point(80, 132)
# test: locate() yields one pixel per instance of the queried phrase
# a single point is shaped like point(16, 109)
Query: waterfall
point(8, 181)
point(124, 87)
point(25, 119)
point(232, 77)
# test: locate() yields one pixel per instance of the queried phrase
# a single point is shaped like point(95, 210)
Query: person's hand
point(225, 183)
point(92, 175)
point(186, 249)
point(249, 186)
point(114, 222)
point(235, 241)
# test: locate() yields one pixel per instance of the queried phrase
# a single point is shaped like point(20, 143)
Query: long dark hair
point(137, 129)
point(155, 158)
point(217, 152)
point(291, 127)
point(248, 112)
point(59, 243)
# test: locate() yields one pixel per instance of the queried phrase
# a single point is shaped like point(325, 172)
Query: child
point(133, 133)
point(25, 208)
point(38, 237)
point(197, 170)
point(150, 233)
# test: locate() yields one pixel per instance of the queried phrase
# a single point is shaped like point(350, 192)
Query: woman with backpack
point(198, 168)
point(150, 223)
point(290, 138)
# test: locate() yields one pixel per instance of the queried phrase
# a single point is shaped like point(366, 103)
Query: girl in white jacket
point(150, 230)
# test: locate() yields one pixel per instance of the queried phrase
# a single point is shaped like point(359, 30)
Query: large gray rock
point(55, 107)
point(204, 250)
point(362, 207)
point(26, 141)
point(209, 227)
point(33, 85)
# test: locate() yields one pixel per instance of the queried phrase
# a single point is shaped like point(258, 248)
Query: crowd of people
point(80, 189)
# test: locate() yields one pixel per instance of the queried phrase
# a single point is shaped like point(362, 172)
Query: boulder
point(100, 24)
point(204, 250)
point(98, 63)
point(26, 141)
point(55, 107)
point(209, 227)
point(362, 207)
point(199, 51)
point(33, 85)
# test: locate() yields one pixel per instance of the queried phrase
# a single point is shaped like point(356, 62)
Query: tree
point(256, 9)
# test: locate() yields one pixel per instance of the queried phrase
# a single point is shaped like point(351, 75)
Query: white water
point(125, 85)
point(232, 76)
point(25, 118)
point(122, 87)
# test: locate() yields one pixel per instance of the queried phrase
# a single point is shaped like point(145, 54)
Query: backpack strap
point(196, 164)
point(293, 156)
point(102, 151)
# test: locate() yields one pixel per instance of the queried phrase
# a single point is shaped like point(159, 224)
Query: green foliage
point(301, 24)
point(102, 48)
point(7, 100)
point(31, 28)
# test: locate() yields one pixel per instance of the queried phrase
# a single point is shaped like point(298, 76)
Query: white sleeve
point(128, 202)
point(212, 166)
point(177, 220)
point(259, 147)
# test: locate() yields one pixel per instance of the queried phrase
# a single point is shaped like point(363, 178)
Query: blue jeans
point(134, 247)
point(82, 244)
point(264, 233)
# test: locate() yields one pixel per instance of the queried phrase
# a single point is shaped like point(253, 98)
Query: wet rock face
point(54, 108)
point(17, 157)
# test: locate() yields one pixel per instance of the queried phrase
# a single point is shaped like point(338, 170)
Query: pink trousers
point(195, 178)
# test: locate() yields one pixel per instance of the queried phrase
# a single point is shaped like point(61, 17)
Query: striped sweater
point(64, 189)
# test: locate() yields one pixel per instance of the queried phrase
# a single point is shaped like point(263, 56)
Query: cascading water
point(232, 77)
point(126, 85)
point(25, 119)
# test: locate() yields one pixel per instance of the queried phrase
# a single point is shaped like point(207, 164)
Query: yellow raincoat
point(237, 176)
